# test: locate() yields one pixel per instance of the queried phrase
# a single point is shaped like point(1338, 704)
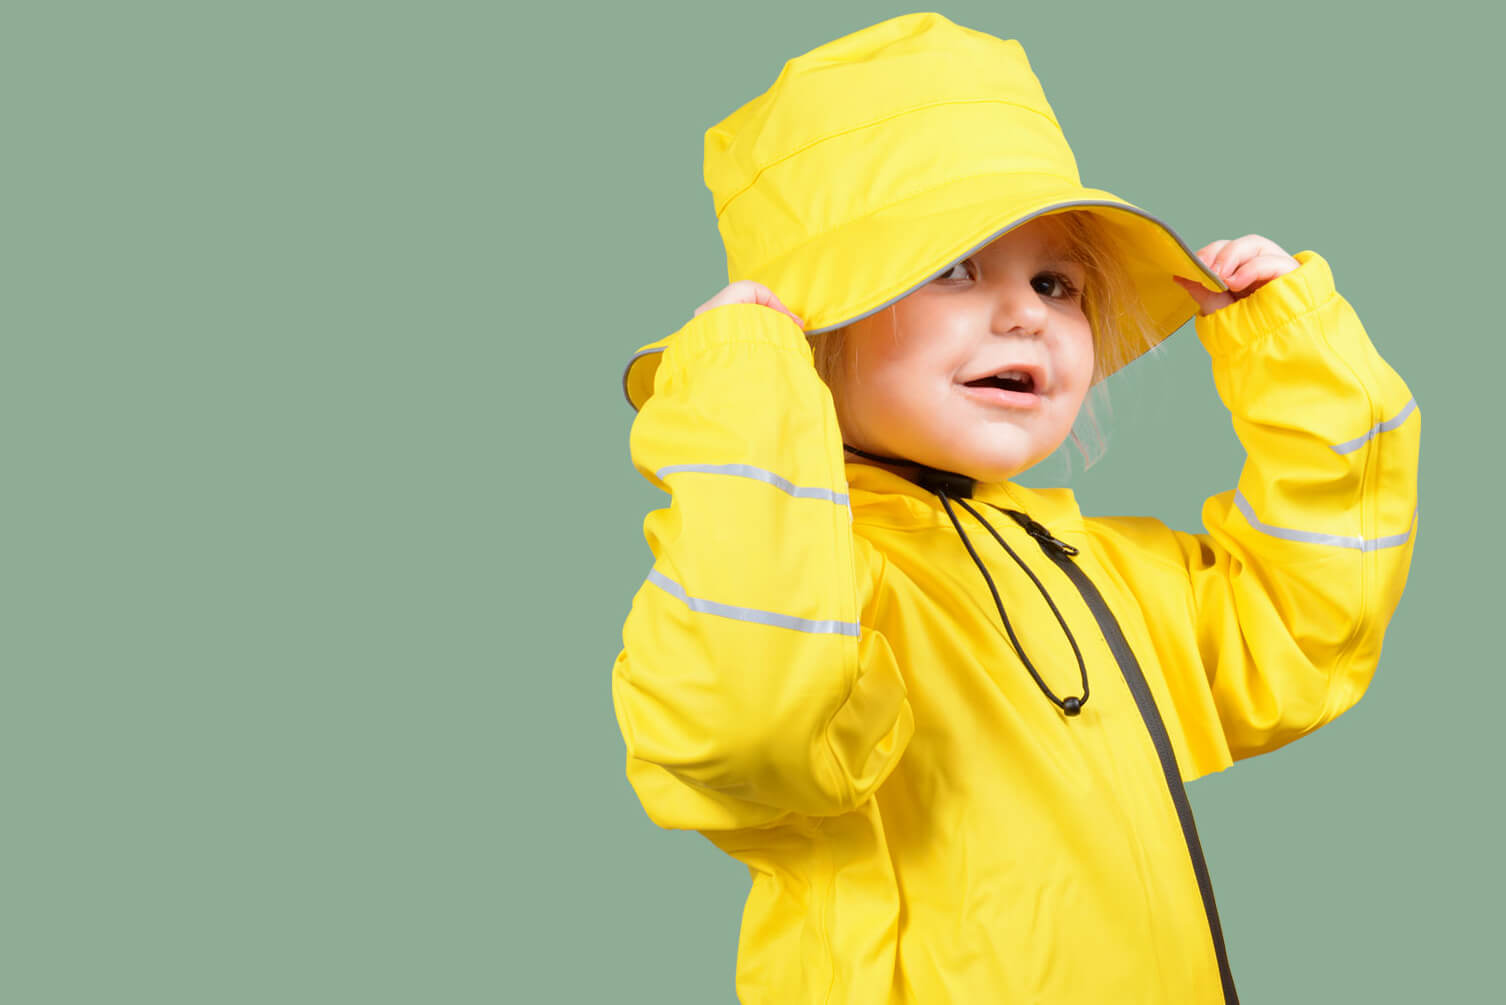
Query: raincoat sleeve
point(1270, 624)
point(748, 687)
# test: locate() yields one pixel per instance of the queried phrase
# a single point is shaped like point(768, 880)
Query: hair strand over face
point(1122, 329)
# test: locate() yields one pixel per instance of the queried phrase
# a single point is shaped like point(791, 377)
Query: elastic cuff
point(1243, 323)
point(737, 324)
point(730, 323)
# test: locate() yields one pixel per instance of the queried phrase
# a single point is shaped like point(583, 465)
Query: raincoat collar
point(883, 497)
point(952, 494)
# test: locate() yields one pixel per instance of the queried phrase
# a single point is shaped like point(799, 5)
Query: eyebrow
point(1061, 254)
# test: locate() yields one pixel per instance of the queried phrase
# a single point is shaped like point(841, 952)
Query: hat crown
point(878, 159)
point(892, 94)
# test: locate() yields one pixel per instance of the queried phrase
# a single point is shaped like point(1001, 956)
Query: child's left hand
point(1244, 264)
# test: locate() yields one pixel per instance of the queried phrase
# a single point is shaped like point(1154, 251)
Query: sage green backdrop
point(320, 527)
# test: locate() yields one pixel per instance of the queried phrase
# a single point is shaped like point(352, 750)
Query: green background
point(320, 527)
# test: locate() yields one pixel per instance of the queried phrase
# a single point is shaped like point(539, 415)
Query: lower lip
point(1001, 398)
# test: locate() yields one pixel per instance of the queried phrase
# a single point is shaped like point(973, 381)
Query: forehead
point(1045, 235)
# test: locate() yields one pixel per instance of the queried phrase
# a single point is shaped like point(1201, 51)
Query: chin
point(986, 469)
point(993, 472)
point(1001, 463)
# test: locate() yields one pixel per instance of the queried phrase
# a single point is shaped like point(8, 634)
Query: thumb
point(766, 297)
point(1207, 300)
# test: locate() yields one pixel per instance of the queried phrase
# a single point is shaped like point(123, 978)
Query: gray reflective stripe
point(753, 614)
point(757, 474)
point(1310, 537)
point(1350, 446)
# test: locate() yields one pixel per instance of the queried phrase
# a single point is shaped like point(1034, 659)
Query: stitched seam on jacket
point(1216, 729)
point(1379, 429)
point(1367, 525)
point(869, 125)
point(829, 428)
point(1181, 570)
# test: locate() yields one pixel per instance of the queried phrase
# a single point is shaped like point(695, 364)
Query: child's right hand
point(1244, 264)
point(746, 291)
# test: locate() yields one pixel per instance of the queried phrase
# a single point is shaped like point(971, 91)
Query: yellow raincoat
point(816, 678)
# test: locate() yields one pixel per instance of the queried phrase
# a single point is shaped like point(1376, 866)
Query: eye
point(1069, 289)
point(965, 265)
point(1066, 289)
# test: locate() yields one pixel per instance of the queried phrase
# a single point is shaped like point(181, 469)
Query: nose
point(1018, 309)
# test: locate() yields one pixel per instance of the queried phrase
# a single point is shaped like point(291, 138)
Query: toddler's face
point(989, 366)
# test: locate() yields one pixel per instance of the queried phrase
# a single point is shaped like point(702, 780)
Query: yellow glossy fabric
point(920, 823)
point(875, 160)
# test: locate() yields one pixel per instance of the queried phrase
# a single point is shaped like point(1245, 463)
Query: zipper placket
point(1061, 553)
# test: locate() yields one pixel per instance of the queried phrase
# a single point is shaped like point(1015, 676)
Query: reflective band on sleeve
point(675, 590)
point(1350, 446)
point(1310, 537)
point(760, 475)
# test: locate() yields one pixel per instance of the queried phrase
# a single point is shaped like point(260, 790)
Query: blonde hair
point(1122, 328)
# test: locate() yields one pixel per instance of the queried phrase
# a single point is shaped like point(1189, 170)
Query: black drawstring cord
point(944, 484)
point(1069, 705)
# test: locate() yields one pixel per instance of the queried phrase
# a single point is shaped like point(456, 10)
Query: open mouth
point(1009, 380)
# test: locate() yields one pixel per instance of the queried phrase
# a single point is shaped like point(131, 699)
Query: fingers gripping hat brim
point(878, 159)
point(830, 281)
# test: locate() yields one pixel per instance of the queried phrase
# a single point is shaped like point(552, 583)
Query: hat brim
point(862, 267)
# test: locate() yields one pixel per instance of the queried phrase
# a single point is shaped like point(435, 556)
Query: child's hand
point(746, 291)
point(1244, 264)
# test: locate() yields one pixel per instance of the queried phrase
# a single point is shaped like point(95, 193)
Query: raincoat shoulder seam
point(1368, 477)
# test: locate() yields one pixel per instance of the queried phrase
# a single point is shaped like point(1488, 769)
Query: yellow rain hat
point(877, 160)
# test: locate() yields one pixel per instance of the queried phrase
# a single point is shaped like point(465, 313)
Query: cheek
point(863, 386)
point(1083, 357)
point(875, 396)
point(877, 366)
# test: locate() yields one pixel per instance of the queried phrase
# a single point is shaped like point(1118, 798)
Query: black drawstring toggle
point(949, 485)
point(949, 482)
point(1071, 705)
point(1041, 534)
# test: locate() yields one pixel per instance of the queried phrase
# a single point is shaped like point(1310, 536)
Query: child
point(945, 719)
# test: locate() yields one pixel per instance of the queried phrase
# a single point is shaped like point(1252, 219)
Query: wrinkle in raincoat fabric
point(814, 676)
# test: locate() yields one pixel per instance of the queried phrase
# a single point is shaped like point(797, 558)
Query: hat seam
point(906, 198)
point(870, 124)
